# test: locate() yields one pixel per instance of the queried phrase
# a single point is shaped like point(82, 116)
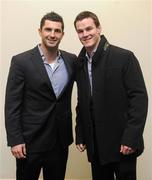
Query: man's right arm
point(79, 132)
point(14, 104)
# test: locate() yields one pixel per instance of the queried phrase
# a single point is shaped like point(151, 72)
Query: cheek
point(44, 35)
point(80, 36)
point(60, 37)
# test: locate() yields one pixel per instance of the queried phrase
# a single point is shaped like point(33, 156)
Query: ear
point(62, 34)
point(99, 29)
point(39, 31)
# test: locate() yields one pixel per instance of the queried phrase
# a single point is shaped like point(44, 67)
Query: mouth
point(87, 39)
point(51, 41)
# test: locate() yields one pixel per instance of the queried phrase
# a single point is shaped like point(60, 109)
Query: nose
point(85, 33)
point(52, 33)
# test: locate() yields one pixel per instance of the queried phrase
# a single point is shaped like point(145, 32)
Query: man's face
point(88, 33)
point(51, 34)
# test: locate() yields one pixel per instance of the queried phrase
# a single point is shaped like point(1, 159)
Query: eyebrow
point(55, 29)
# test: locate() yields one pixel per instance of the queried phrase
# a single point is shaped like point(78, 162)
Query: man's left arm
point(137, 105)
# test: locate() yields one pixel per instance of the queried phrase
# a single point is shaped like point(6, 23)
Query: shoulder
point(120, 51)
point(120, 54)
point(70, 58)
point(68, 54)
point(25, 55)
point(121, 57)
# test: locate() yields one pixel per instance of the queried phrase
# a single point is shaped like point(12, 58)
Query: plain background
point(125, 23)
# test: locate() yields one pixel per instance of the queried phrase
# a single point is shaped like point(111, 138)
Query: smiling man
point(112, 103)
point(38, 105)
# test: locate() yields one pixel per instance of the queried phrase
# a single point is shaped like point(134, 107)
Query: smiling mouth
point(87, 39)
point(51, 41)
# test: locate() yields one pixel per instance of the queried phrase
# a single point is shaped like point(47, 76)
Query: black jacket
point(33, 114)
point(119, 102)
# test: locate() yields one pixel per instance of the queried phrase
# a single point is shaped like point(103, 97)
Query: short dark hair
point(87, 14)
point(52, 16)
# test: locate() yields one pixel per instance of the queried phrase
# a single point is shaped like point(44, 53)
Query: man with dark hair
point(38, 105)
point(112, 103)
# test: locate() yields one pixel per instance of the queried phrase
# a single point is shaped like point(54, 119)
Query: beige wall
point(125, 23)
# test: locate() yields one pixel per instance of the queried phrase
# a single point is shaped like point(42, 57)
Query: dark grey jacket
point(33, 114)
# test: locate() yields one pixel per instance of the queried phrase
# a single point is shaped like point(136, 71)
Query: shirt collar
point(44, 58)
point(89, 58)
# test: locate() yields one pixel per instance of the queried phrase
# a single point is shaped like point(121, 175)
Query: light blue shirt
point(90, 67)
point(57, 72)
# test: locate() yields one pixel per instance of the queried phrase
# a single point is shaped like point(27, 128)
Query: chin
point(51, 45)
point(89, 46)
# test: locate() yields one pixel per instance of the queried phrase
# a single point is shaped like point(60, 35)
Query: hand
point(81, 147)
point(125, 150)
point(19, 151)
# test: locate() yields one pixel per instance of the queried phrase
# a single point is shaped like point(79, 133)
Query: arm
point(80, 142)
point(137, 104)
point(14, 104)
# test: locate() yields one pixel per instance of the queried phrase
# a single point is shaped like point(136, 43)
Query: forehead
point(52, 24)
point(85, 23)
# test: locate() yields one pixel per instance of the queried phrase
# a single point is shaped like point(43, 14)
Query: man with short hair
point(112, 103)
point(38, 105)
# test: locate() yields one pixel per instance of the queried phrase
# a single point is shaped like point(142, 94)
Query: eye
point(48, 29)
point(58, 30)
point(89, 28)
point(79, 31)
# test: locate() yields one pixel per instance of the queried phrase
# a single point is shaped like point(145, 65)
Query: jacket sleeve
point(137, 104)
point(13, 104)
point(79, 129)
point(79, 124)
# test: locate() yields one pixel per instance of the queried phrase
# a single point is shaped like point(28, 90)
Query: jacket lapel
point(82, 72)
point(98, 58)
point(68, 64)
point(39, 65)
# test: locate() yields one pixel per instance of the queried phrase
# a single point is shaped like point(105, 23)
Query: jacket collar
point(101, 49)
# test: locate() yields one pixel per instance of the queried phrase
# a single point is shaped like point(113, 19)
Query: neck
point(50, 54)
point(89, 51)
